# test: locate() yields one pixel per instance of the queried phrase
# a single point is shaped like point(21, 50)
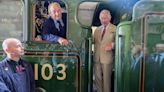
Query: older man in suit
point(54, 28)
point(104, 37)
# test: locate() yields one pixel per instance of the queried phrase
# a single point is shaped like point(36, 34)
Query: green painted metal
point(147, 6)
point(154, 31)
point(73, 71)
point(62, 78)
point(122, 60)
point(140, 50)
point(67, 56)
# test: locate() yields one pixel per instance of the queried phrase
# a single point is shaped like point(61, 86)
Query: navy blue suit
point(50, 31)
point(12, 81)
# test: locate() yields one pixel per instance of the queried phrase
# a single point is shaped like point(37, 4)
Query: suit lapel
point(99, 35)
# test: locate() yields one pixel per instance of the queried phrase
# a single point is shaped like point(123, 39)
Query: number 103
point(62, 72)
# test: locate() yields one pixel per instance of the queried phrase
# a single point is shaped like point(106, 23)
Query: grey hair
point(53, 4)
point(104, 11)
point(6, 43)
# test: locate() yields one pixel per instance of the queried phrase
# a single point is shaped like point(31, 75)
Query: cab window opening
point(40, 15)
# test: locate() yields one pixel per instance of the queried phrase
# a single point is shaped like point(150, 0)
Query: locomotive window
point(11, 23)
point(40, 15)
point(154, 32)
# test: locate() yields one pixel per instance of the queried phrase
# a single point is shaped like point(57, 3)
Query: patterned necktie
point(103, 32)
point(19, 68)
point(59, 25)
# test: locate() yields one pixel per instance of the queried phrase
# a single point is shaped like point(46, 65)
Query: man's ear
point(7, 50)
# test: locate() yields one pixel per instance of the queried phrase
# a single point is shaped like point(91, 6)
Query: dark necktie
point(103, 32)
point(19, 68)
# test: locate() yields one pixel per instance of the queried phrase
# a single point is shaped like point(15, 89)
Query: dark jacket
point(50, 32)
point(11, 81)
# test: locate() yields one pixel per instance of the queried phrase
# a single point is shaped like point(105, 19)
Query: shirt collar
point(10, 61)
point(12, 64)
point(61, 22)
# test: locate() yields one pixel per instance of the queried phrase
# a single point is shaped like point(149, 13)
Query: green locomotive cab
point(140, 49)
point(59, 68)
point(139, 43)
